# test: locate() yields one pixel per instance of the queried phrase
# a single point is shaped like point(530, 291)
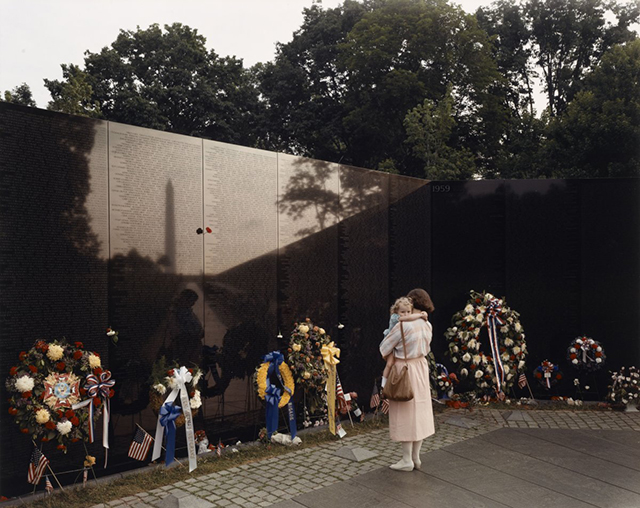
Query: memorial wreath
point(306, 362)
point(498, 369)
point(162, 380)
point(547, 374)
point(586, 354)
point(49, 384)
point(262, 382)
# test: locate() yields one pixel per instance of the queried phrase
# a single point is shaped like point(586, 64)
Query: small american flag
point(522, 381)
point(374, 402)
point(37, 466)
point(140, 445)
point(385, 406)
point(219, 448)
point(47, 486)
point(342, 403)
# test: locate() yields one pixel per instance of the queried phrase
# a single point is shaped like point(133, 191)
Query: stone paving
point(270, 481)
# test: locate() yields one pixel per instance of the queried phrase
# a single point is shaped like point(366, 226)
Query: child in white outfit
point(401, 310)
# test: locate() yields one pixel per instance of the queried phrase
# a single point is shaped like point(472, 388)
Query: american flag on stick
point(219, 448)
point(140, 445)
point(374, 402)
point(342, 402)
point(47, 486)
point(37, 466)
point(522, 381)
point(385, 406)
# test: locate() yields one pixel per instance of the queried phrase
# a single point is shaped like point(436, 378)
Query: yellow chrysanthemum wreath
point(287, 379)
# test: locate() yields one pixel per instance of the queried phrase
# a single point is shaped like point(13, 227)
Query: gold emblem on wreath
point(61, 390)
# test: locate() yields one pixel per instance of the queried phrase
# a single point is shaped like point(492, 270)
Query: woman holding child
point(412, 421)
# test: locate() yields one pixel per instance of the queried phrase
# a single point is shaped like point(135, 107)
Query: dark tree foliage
point(21, 94)
point(167, 80)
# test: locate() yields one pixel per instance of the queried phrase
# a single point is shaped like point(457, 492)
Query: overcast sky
point(36, 36)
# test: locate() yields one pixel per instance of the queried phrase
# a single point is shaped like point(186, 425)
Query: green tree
point(21, 94)
point(167, 79)
point(304, 89)
point(429, 128)
point(599, 134)
point(73, 95)
point(570, 36)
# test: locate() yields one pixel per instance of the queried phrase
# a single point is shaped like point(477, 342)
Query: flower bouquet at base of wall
point(162, 382)
point(624, 390)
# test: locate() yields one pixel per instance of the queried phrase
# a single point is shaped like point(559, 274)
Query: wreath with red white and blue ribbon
point(497, 371)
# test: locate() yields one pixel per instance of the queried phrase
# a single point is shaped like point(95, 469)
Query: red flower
point(111, 393)
point(598, 354)
point(79, 345)
point(190, 371)
point(22, 356)
point(13, 411)
point(61, 447)
point(33, 368)
point(538, 374)
point(170, 372)
point(26, 395)
point(74, 421)
point(208, 229)
point(44, 439)
point(96, 354)
point(24, 431)
point(97, 371)
point(573, 356)
point(50, 425)
point(13, 371)
point(594, 346)
point(558, 376)
point(472, 366)
point(61, 366)
point(75, 440)
point(83, 391)
point(77, 355)
point(96, 401)
point(69, 414)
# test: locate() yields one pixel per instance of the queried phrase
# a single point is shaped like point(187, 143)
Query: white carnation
point(454, 360)
point(64, 427)
point(94, 361)
point(466, 357)
point(521, 365)
point(479, 373)
point(476, 359)
point(454, 349)
point(464, 372)
point(598, 360)
point(468, 318)
point(197, 377)
point(55, 352)
point(516, 350)
point(160, 388)
point(195, 401)
point(517, 327)
point(509, 376)
point(468, 309)
point(479, 318)
point(504, 329)
point(473, 343)
point(505, 356)
point(572, 350)
point(574, 361)
point(508, 342)
point(482, 309)
point(598, 349)
point(506, 368)
point(24, 384)
point(42, 416)
point(171, 382)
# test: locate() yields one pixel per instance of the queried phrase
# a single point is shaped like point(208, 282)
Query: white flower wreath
point(465, 346)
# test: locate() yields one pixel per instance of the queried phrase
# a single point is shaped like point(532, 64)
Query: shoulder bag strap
point(404, 345)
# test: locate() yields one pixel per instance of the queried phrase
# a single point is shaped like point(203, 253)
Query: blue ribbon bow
point(168, 415)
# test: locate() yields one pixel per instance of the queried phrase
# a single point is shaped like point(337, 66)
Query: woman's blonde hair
point(403, 300)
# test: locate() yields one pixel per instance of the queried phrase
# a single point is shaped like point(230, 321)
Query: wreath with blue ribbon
point(497, 371)
point(278, 395)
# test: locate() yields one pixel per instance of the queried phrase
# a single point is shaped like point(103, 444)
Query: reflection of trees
point(312, 191)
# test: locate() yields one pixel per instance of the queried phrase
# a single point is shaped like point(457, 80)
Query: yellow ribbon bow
point(330, 354)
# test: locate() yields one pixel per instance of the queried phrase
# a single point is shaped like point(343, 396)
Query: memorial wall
point(99, 228)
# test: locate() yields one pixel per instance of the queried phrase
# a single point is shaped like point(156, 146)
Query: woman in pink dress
point(412, 421)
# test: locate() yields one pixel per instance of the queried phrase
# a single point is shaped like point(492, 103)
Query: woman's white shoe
point(402, 465)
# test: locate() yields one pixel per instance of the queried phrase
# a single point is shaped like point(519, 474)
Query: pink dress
point(411, 420)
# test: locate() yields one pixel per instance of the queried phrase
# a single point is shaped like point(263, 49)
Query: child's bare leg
point(391, 359)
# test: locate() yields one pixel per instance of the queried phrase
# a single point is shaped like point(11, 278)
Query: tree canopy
point(416, 87)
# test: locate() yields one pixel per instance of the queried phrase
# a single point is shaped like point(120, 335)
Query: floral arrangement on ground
point(472, 364)
point(307, 365)
point(625, 387)
point(285, 375)
point(586, 354)
point(547, 374)
point(162, 380)
point(48, 380)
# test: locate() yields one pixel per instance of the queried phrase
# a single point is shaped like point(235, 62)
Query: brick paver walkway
point(305, 470)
